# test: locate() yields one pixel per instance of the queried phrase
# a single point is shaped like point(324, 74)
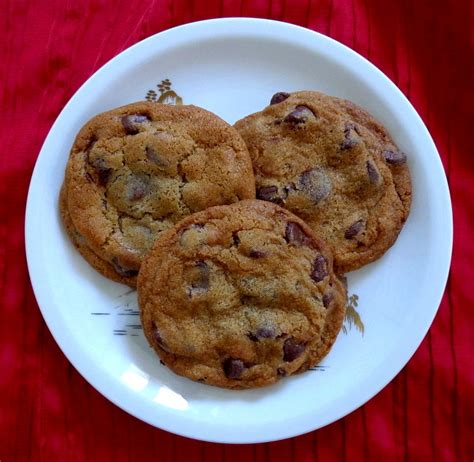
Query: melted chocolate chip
point(200, 282)
point(394, 157)
point(269, 193)
point(265, 332)
point(316, 184)
point(130, 122)
point(103, 175)
point(299, 116)
point(156, 158)
point(372, 172)
point(294, 234)
point(281, 372)
point(233, 368)
point(292, 350)
point(123, 271)
point(137, 188)
point(349, 139)
point(354, 229)
point(262, 332)
point(257, 254)
point(279, 97)
point(319, 271)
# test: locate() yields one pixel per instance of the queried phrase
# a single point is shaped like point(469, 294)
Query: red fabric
point(49, 48)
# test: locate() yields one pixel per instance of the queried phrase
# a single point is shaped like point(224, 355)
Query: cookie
point(332, 164)
point(240, 296)
point(135, 171)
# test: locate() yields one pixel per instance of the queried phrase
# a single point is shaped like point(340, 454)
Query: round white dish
point(232, 67)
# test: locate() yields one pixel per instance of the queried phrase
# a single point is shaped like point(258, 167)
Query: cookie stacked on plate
point(236, 291)
point(136, 171)
point(332, 164)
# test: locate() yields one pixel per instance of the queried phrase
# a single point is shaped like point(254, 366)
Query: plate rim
point(111, 392)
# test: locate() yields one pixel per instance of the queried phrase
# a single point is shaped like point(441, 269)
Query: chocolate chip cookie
point(135, 171)
point(240, 296)
point(332, 164)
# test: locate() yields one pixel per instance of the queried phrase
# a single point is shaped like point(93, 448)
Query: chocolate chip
point(319, 271)
point(281, 372)
point(327, 299)
point(103, 175)
point(137, 188)
point(354, 229)
point(279, 97)
point(292, 350)
point(349, 139)
point(269, 193)
point(294, 234)
point(265, 332)
point(130, 122)
point(256, 254)
point(372, 172)
point(200, 282)
point(156, 158)
point(262, 332)
point(316, 184)
point(233, 368)
point(299, 116)
point(88, 177)
point(122, 270)
point(394, 157)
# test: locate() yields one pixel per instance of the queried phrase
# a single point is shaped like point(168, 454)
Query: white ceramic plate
point(232, 67)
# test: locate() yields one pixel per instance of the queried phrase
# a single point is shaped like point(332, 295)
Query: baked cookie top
point(137, 170)
point(240, 296)
point(332, 164)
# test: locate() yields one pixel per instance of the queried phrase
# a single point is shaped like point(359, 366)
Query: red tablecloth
point(47, 410)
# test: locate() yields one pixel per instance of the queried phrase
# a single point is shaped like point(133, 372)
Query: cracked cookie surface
point(240, 296)
point(332, 164)
point(135, 171)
